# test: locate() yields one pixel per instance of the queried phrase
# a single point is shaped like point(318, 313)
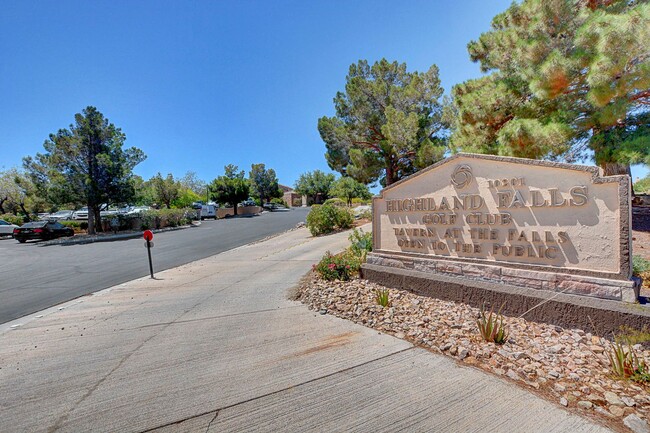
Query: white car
point(81, 214)
point(7, 229)
point(61, 215)
point(138, 210)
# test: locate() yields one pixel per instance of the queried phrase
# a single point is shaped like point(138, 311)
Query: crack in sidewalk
point(200, 319)
point(207, 429)
point(269, 394)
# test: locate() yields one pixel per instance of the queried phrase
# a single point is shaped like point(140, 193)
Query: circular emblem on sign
point(462, 176)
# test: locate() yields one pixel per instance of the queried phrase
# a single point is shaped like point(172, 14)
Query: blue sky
point(200, 84)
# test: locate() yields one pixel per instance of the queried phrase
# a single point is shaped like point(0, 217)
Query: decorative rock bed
point(568, 366)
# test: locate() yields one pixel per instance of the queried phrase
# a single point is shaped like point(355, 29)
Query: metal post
point(149, 254)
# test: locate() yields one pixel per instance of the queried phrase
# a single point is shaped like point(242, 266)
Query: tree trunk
point(614, 168)
point(2, 209)
point(389, 175)
point(98, 219)
point(91, 221)
point(235, 208)
point(22, 207)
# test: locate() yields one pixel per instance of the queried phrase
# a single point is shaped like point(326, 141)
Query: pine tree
point(386, 122)
point(565, 77)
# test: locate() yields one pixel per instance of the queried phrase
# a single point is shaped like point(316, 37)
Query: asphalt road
point(34, 277)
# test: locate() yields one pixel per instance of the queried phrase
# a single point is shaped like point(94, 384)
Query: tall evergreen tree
point(566, 77)
point(385, 124)
point(86, 164)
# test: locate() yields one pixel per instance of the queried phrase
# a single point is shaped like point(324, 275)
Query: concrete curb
point(110, 238)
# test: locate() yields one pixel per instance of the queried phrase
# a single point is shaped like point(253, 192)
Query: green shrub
point(335, 202)
point(630, 335)
point(640, 265)
point(75, 225)
point(19, 220)
point(323, 219)
point(360, 201)
point(360, 243)
point(279, 201)
point(157, 219)
point(338, 267)
point(72, 224)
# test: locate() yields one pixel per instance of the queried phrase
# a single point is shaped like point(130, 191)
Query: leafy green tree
point(315, 184)
point(185, 198)
point(143, 191)
point(231, 188)
point(17, 194)
point(348, 188)
point(192, 182)
point(565, 77)
point(264, 183)
point(86, 164)
point(386, 122)
point(166, 189)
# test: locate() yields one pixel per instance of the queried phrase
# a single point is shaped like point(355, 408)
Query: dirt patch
point(329, 343)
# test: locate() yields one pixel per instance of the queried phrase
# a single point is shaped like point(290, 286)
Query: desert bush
point(323, 219)
point(640, 265)
point(360, 201)
point(335, 202)
point(360, 243)
point(157, 219)
point(338, 267)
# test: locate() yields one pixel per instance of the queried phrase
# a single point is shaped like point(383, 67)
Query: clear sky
point(200, 84)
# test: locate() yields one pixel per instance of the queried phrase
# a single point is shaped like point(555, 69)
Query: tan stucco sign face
point(496, 210)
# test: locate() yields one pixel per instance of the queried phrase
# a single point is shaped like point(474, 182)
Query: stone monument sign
point(529, 223)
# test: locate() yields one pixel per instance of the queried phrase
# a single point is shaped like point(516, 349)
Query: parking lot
point(36, 276)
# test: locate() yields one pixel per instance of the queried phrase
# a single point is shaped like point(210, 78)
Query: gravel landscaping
point(568, 366)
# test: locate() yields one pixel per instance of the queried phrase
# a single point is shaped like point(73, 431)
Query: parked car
point(137, 209)
point(81, 214)
point(272, 206)
point(7, 229)
point(249, 202)
point(208, 211)
point(41, 230)
point(61, 215)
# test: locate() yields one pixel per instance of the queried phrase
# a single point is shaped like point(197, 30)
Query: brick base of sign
point(600, 316)
point(619, 290)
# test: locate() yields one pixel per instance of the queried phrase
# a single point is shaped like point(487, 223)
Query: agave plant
point(491, 326)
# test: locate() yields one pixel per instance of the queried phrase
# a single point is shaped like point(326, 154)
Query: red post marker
point(148, 236)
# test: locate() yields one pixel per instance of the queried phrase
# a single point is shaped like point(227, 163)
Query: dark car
point(41, 230)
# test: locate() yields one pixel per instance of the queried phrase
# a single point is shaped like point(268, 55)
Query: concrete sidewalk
point(215, 346)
